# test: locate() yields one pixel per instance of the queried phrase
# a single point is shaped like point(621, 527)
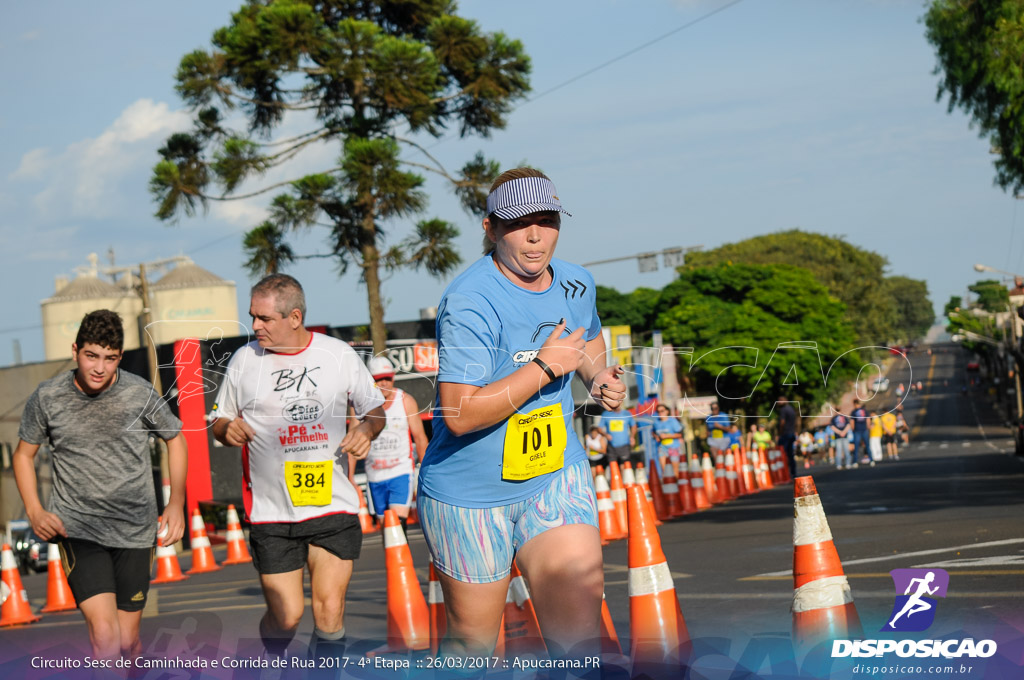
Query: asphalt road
point(953, 501)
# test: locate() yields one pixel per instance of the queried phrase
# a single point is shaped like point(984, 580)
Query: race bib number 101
point(309, 483)
point(534, 443)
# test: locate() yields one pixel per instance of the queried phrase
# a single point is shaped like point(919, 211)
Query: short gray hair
point(286, 291)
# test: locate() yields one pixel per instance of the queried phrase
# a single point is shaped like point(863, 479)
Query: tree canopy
point(758, 332)
point(853, 275)
point(372, 77)
point(636, 309)
point(978, 45)
point(914, 311)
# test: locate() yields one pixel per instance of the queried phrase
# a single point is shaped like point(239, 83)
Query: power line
point(633, 51)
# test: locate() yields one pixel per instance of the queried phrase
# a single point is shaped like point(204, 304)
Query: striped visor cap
point(523, 196)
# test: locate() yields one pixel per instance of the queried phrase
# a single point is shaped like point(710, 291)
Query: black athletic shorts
point(888, 438)
point(93, 569)
point(284, 546)
point(620, 454)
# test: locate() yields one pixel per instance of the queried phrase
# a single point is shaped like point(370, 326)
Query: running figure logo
point(914, 610)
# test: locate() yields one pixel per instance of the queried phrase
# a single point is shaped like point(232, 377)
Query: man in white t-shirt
point(389, 467)
point(283, 401)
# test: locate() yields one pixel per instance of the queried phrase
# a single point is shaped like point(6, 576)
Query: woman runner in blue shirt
point(504, 475)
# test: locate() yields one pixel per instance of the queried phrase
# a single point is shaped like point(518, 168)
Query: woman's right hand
point(563, 355)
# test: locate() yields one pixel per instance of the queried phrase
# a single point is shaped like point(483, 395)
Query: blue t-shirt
point(488, 328)
point(718, 422)
point(839, 421)
point(670, 425)
point(860, 419)
point(618, 424)
point(735, 438)
point(820, 437)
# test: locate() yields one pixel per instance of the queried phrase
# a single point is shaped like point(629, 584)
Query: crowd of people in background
point(847, 441)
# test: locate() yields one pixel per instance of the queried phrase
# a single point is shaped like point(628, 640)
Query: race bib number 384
point(534, 443)
point(309, 483)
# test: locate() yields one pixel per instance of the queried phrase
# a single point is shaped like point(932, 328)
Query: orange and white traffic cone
point(686, 502)
point(707, 469)
point(721, 481)
point(641, 480)
point(366, 522)
point(670, 490)
point(519, 625)
point(607, 519)
point(784, 467)
point(657, 494)
point(700, 496)
point(750, 470)
point(657, 628)
point(628, 476)
point(15, 609)
point(731, 475)
point(167, 568)
point(618, 493)
point(237, 552)
point(609, 639)
point(414, 516)
point(435, 609)
point(764, 477)
point(58, 592)
point(408, 618)
point(823, 606)
point(202, 551)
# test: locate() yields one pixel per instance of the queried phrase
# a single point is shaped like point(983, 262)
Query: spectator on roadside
point(787, 432)
point(821, 442)
point(875, 438)
point(890, 435)
point(860, 430)
point(839, 452)
point(901, 427)
point(597, 446)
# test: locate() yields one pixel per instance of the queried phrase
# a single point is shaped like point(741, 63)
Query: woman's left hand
point(608, 390)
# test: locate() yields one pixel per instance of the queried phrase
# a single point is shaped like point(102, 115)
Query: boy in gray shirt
point(97, 421)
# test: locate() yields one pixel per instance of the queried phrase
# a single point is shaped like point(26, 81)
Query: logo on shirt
point(303, 411)
point(573, 287)
point(286, 378)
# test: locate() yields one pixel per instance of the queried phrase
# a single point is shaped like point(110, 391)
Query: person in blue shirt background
point(718, 425)
point(505, 475)
point(619, 428)
point(669, 433)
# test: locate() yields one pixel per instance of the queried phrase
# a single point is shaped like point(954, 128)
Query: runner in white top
point(389, 467)
point(284, 401)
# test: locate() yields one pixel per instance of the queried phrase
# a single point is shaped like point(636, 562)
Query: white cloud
point(33, 164)
point(84, 179)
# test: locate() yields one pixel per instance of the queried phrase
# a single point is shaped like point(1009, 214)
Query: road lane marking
point(903, 556)
point(924, 400)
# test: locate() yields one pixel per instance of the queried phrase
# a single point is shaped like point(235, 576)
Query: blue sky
point(763, 117)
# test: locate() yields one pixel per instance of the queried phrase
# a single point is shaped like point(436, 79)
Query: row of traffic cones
point(15, 609)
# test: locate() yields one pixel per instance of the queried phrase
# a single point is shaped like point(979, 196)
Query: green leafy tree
point(992, 295)
point(760, 331)
point(853, 275)
point(915, 313)
point(978, 45)
point(637, 309)
point(372, 76)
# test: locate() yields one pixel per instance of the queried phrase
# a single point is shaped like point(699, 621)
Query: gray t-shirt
point(102, 472)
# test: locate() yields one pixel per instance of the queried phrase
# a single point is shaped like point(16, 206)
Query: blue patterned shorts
point(476, 545)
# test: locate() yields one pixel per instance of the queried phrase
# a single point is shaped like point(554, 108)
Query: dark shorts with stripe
point(281, 547)
point(93, 569)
